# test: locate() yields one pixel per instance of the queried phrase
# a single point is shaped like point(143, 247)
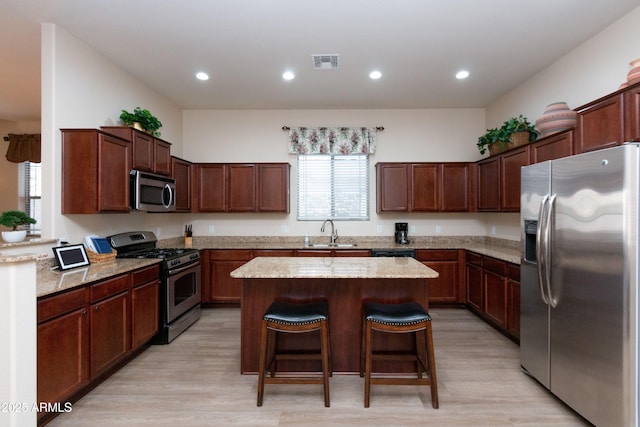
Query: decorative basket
point(519, 138)
point(96, 258)
point(497, 147)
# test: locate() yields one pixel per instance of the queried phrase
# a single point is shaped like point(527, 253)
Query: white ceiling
point(246, 45)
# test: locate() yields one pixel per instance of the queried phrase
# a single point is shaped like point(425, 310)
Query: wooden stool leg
point(367, 364)
point(324, 336)
point(431, 360)
point(263, 361)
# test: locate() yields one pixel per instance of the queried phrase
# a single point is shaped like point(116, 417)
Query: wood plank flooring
point(195, 381)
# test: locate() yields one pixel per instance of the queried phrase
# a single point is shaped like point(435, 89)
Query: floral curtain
point(24, 148)
point(337, 140)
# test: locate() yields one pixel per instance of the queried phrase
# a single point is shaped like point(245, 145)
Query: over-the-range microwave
point(152, 193)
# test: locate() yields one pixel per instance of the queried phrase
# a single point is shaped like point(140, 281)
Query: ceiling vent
point(325, 62)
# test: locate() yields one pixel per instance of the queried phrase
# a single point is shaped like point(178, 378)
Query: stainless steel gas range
point(180, 288)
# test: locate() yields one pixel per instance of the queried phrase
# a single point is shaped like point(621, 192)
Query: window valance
point(332, 140)
point(23, 148)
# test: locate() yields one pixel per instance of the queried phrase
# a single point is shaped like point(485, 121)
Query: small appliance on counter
point(402, 233)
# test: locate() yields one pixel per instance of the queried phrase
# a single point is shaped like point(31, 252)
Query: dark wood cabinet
point(495, 290)
point(273, 187)
point(553, 147)
point(457, 182)
point(423, 187)
point(632, 114)
point(109, 327)
point(511, 162)
point(489, 184)
point(474, 283)
point(63, 346)
point(513, 300)
point(392, 187)
point(182, 172)
point(351, 253)
point(426, 187)
point(150, 154)
point(600, 124)
point(222, 288)
point(145, 305)
point(95, 172)
point(240, 187)
point(445, 288)
point(211, 187)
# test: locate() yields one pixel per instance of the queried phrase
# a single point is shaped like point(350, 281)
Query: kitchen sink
point(333, 245)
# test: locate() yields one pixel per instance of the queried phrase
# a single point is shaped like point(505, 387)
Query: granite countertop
point(50, 280)
point(505, 250)
point(333, 268)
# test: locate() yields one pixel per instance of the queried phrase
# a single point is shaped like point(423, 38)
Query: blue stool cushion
point(395, 314)
point(292, 314)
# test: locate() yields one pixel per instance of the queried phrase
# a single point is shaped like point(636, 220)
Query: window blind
point(333, 187)
point(30, 185)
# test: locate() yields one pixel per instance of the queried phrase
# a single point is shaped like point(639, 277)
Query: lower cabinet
point(444, 289)
point(220, 287)
point(63, 346)
point(87, 331)
point(493, 292)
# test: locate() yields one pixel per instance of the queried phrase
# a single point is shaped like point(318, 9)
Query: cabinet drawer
point(109, 287)
point(474, 259)
point(495, 266)
point(513, 272)
point(230, 255)
point(437, 255)
point(145, 275)
point(273, 252)
point(54, 306)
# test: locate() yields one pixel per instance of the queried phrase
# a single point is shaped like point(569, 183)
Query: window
point(333, 187)
point(30, 192)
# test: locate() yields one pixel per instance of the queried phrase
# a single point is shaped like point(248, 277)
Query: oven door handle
point(178, 270)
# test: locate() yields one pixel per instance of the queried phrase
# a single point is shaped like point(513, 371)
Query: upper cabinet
point(423, 187)
point(553, 147)
point(632, 114)
point(182, 172)
point(95, 172)
point(242, 187)
point(600, 124)
point(499, 180)
point(150, 154)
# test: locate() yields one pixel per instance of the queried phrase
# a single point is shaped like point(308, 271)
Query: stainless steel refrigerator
point(579, 281)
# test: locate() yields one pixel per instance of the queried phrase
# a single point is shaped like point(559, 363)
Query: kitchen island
point(344, 282)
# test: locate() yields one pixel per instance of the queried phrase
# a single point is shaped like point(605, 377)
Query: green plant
point(149, 122)
point(503, 133)
point(15, 219)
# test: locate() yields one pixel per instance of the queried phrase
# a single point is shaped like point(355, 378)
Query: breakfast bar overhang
point(344, 282)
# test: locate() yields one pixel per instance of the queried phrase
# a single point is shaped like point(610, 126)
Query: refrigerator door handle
point(541, 251)
point(553, 301)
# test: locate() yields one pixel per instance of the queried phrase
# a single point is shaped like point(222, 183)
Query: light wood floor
point(195, 381)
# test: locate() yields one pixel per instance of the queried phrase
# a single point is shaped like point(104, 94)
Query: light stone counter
point(333, 268)
point(50, 280)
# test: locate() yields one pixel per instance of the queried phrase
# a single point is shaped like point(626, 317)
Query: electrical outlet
point(379, 229)
point(412, 228)
point(158, 232)
point(212, 229)
point(284, 229)
point(493, 230)
point(438, 229)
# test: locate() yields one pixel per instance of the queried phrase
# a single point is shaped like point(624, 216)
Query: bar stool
point(402, 318)
point(285, 317)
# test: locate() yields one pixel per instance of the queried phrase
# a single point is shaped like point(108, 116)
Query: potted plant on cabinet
point(145, 120)
point(513, 132)
point(15, 220)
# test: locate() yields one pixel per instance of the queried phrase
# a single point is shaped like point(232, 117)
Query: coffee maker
point(402, 233)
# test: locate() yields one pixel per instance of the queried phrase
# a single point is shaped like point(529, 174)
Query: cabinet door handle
point(96, 307)
point(84, 312)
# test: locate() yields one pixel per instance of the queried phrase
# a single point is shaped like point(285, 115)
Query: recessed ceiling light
point(462, 74)
point(375, 75)
point(288, 75)
point(202, 76)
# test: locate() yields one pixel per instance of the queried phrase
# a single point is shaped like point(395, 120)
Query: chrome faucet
point(334, 232)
